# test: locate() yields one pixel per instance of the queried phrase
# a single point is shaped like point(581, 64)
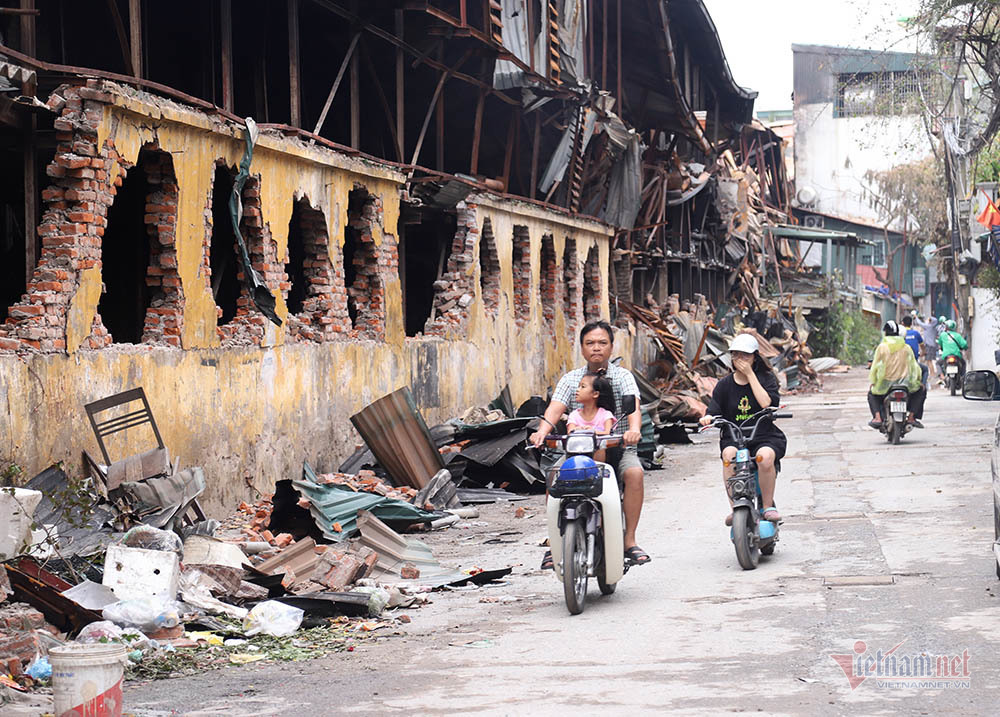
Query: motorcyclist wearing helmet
point(894, 363)
point(751, 387)
point(952, 343)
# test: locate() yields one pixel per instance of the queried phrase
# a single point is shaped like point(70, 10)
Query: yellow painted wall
point(250, 416)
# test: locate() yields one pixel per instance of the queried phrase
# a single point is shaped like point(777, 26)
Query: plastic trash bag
point(378, 598)
point(100, 631)
point(143, 536)
point(40, 669)
point(272, 618)
point(146, 614)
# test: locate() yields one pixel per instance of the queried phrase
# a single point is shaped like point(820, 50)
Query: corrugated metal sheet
point(506, 74)
point(332, 503)
point(624, 192)
point(556, 168)
point(395, 431)
point(394, 550)
point(300, 557)
point(572, 20)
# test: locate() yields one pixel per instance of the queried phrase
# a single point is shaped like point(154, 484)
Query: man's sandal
point(775, 516)
point(729, 520)
point(547, 563)
point(637, 556)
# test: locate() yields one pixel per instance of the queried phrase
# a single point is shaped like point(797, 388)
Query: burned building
point(424, 187)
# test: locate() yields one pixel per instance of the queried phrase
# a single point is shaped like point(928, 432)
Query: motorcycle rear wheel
point(744, 538)
point(954, 385)
point(897, 432)
point(575, 566)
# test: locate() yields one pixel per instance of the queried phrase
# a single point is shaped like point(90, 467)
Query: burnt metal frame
point(117, 424)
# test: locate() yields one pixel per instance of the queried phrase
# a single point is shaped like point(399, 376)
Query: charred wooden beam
point(336, 82)
point(135, 35)
point(294, 89)
point(226, 42)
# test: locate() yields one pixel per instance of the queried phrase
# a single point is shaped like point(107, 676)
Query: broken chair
point(138, 467)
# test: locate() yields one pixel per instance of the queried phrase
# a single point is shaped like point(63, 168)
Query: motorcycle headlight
point(737, 487)
point(583, 443)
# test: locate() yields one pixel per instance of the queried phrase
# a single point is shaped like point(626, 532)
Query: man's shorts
point(629, 459)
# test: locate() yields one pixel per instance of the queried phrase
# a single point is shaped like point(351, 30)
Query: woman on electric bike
point(751, 387)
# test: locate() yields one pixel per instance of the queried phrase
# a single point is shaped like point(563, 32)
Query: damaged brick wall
point(592, 286)
point(165, 316)
point(323, 314)
point(371, 263)
point(489, 269)
point(454, 291)
point(572, 304)
point(84, 181)
point(521, 267)
point(547, 282)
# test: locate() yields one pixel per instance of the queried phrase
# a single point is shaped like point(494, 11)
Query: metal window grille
point(879, 93)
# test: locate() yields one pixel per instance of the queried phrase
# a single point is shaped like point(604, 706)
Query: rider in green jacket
point(952, 343)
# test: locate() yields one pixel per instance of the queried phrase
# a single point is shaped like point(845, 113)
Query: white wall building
point(855, 111)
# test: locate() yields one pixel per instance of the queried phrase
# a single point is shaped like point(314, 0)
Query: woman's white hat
point(745, 343)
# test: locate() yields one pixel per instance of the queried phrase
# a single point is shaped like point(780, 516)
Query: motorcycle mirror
point(628, 404)
point(980, 386)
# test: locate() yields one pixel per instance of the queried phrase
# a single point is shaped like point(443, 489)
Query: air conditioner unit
point(806, 196)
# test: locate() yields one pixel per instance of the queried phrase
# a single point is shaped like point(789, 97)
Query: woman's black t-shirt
point(737, 403)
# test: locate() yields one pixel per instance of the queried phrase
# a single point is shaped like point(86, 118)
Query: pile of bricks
point(19, 639)
point(338, 567)
point(368, 482)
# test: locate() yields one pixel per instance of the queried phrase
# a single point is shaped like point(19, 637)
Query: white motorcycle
point(584, 512)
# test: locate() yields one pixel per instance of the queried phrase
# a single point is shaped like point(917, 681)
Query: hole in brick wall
point(571, 283)
point(223, 261)
point(547, 280)
point(592, 286)
point(425, 245)
point(295, 268)
point(520, 259)
point(125, 259)
point(489, 269)
point(365, 293)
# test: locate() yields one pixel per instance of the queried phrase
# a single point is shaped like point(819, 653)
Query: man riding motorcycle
point(894, 363)
point(952, 343)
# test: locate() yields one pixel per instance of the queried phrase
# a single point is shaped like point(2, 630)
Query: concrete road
point(909, 528)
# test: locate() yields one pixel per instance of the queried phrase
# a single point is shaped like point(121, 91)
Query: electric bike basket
point(578, 475)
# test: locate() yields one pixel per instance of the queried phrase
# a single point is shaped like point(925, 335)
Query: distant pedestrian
point(913, 339)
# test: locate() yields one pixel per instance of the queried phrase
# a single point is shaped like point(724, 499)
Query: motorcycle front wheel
point(575, 566)
point(745, 539)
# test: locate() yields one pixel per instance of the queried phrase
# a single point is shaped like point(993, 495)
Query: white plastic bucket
point(87, 679)
point(17, 505)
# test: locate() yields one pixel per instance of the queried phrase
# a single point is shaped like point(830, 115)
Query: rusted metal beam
point(336, 82)
point(422, 57)
point(226, 41)
point(135, 35)
point(30, 199)
point(439, 120)
point(400, 93)
point(509, 150)
point(355, 107)
point(533, 187)
point(434, 100)
point(477, 133)
point(294, 89)
point(382, 98)
point(122, 33)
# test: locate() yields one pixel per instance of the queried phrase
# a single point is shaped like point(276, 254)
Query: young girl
point(750, 387)
point(597, 406)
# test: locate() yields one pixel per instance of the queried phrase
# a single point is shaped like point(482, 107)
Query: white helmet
point(745, 343)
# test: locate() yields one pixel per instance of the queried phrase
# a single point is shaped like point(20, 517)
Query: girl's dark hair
point(605, 394)
point(761, 364)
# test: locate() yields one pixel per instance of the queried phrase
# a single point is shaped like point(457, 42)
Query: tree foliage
point(965, 35)
point(912, 195)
